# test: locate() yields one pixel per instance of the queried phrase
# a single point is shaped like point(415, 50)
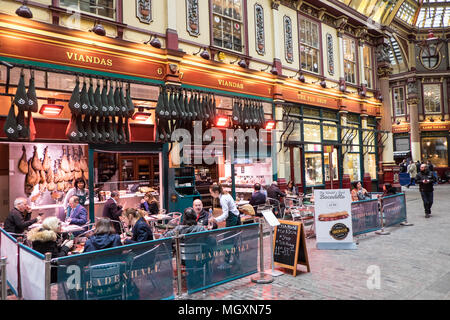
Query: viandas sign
point(333, 219)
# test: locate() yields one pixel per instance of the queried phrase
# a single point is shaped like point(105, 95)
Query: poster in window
point(192, 17)
point(144, 10)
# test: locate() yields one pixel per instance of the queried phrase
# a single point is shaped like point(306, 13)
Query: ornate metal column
point(412, 101)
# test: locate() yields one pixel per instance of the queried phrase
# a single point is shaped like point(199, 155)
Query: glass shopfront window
point(353, 166)
point(432, 98)
point(435, 149)
point(313, 169)
point(372, 165)
point(334, 163)
point(330, 131)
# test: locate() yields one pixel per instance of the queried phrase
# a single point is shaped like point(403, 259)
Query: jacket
point(17, 223)
point(203, 217)
point(78, 215)
point(183, 229)
point(112, 211)
point(257, 198)
point(141, 232)
point(275, 193)
point(151, 207)
point(102, 241)
point(425, 175)
point(44, 241)
point(412, 170)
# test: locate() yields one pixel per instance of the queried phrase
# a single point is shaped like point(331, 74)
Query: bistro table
point(65, 227)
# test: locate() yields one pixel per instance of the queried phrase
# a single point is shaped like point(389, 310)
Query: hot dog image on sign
point(333, 218)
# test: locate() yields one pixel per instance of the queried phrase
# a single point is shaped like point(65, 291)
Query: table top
point(158, 217)
point(242, 202)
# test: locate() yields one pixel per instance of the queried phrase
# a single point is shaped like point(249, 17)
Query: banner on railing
point(8, 249)
point(365, 216)
point(394, 209)
point(140, 271)
point(218, 256)
point(32, 273)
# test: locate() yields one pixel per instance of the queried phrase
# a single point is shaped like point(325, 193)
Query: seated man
point(189, 224)
point(19, 219)
point(257, 198)
point(78, 214)
point(274, 192)
point(202, 214)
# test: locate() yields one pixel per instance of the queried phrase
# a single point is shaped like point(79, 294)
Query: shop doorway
point(296, 164)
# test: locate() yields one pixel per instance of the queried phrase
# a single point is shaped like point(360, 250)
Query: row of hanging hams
point(21, 125)
point(247, 114)
point(100, 115)
point(56, 177)
point(178, 108)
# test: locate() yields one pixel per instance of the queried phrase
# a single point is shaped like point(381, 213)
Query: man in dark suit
point(257, 198)
point(19, 219)
point(113, 211)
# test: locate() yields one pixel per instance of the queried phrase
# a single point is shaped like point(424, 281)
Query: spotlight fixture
point(241, 62)
point(431, 119)
point(274, 70)
point(154, 42)
point(323, 83)
point(204, 54)
point(398, 122)
point(23, 11)
point(98, 29)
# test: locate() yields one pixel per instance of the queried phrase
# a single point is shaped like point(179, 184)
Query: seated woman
point(44, 239)
point(388, 190)
point(189, 224)
point(150, 204)
point(104, 236)
point(359, 193)
point(291, 188)
point(141, 230)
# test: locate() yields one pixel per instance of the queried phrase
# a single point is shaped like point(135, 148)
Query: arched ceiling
point(421, 13)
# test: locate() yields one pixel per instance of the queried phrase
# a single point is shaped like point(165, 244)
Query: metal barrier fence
point(3, 278)
point(137, 271)
point(376, 214)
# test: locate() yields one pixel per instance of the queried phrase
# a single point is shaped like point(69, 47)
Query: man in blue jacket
point(257, 198)
point(78, 214)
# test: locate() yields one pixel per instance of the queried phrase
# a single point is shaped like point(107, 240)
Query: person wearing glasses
point(19, 219)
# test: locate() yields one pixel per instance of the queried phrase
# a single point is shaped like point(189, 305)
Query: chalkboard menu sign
point(290, 246)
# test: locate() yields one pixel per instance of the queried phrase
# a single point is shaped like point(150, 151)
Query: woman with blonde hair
point(104, 236)
point(141, 230)
point(44, 239)
point(150, 204)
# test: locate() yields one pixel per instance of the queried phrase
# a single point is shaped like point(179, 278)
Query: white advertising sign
point(333, 219)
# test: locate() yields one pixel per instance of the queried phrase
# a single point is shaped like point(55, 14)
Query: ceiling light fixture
point(23, 11)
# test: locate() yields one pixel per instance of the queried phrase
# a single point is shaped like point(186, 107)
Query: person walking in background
point(418, 164)
point(403, 166)
point(425, 179)
point(412, 170)
point(430, 166)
